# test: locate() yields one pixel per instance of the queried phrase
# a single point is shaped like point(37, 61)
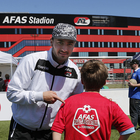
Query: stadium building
point(98, 36)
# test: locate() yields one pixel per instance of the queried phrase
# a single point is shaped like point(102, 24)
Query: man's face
point(61, 49)
point(134, 66)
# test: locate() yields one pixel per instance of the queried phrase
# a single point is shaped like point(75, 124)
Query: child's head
point(7, 76)
point(94, 74)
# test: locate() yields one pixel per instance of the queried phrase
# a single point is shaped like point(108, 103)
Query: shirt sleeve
point(18, 87)
point(128, 131)
point(59, 122)
point(120, 120)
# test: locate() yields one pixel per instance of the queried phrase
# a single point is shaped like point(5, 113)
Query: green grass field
point(119, 85)
point(4, 129)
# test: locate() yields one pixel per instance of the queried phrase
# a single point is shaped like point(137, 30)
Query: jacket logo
point(134, 75)
point(68, 72)
point(42, 67)
point(82, 21)
point(86, 120)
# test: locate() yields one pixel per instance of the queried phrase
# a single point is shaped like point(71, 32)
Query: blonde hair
point(94, 74)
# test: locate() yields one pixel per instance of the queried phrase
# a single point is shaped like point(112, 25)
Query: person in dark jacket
point(2, 85)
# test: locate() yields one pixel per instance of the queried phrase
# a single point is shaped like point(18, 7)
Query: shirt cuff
point(128, 131)
point(38, 96)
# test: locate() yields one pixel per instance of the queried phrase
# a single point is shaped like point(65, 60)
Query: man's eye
point(70, 44)
point(60, 43)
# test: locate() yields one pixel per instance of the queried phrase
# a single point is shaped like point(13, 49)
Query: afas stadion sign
point(43, 19)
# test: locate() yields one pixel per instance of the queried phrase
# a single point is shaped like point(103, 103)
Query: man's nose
point(65, 47)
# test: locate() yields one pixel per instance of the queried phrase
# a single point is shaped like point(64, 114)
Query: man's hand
point(130, 84)
point(50, 97)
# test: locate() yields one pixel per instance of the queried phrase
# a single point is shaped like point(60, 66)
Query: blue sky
point(127, 8)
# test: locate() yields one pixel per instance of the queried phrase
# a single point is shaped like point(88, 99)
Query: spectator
point(6, 81)
point(134, 94)
point(2, 85)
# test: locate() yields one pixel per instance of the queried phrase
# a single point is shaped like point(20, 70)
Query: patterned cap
point(64, 31)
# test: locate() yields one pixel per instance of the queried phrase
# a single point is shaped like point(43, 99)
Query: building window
point(88, 31)
point(83, 31)
point(112, 53)
point(15, 30)
point(1, 44)
point(127, 45)
point(37, 31)
point(86, 44)
point(20, 31)
point(93, 44)
point(93, 32)
point(130, 53)
point(103, 53)
point(112, 44)
point(110, 32)
point(7, 31)
point(115, 44)
point(116, 65)
point(102, 44)
point(136, 33)
point(121, 44)
point(83, 54)
point(74, 54)
point(136, 45)
point(106, 44)
point(83, 45)
point(129, 32)
point(117, 32)
point(124, 44)
point(78, 44)
point(98, 44)
point(9, 44)
point(89, 44)
point(41, 30)
point(102, 32)
point(121, 53)
point(93, 53)
point(139, 33)
point(130, 44)
point(98, 31)
point(78, 31)
point(108, 65)
point(5, 45)
point(28, 31)
point(47, 31)
point(133, 45)
point(121, 32)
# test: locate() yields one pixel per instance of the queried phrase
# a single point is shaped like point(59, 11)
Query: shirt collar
point(137, 69)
